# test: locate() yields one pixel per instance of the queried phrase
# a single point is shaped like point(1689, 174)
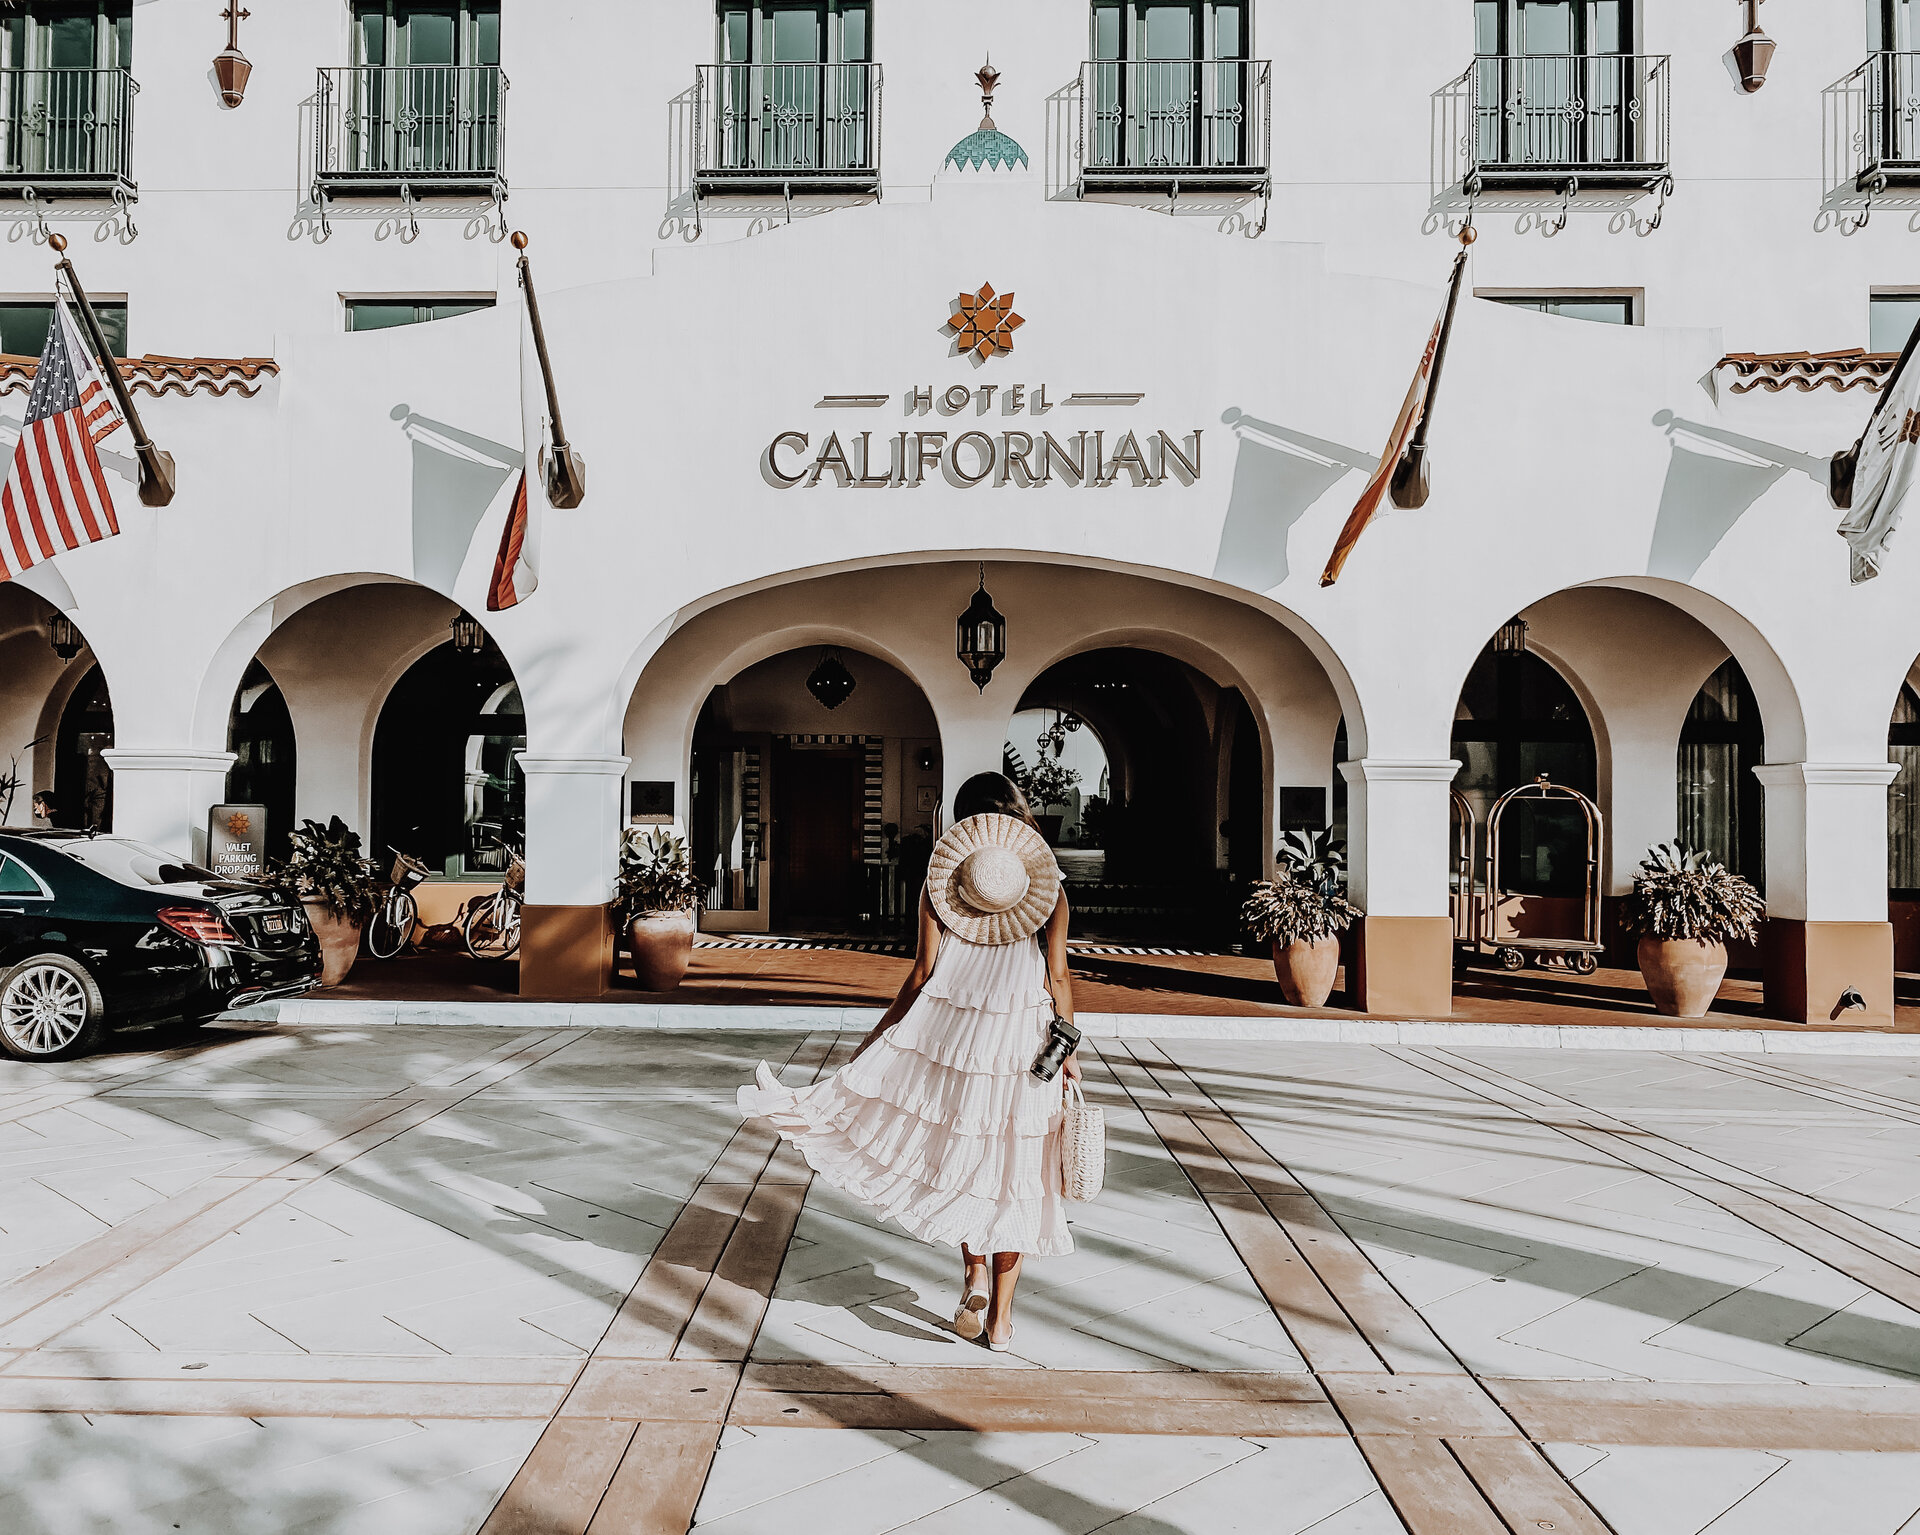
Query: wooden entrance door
point(816, 863)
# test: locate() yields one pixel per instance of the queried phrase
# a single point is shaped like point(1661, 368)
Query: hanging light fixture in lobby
point(63, 637)
point(469, 639)
point(1512, 638)
point(831, 682)
point(982, 641)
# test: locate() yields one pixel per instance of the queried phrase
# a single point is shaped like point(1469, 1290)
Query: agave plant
point(655, 874)
point(1303, 904)
point(1685, 893)
point(327, 868)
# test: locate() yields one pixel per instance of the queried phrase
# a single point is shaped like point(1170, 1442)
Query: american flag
point(56, 496)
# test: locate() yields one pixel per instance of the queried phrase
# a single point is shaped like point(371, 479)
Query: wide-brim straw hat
point(992, 879)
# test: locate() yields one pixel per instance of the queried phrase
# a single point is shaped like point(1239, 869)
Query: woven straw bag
point(1083, 1146)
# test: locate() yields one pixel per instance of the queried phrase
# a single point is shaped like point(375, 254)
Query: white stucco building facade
point(786, 453)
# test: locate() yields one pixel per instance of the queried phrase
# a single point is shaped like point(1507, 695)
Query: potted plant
point(660, 901)
point(1302, 913)
point(1046, 784)
point(327, 874)
point(1687, 906)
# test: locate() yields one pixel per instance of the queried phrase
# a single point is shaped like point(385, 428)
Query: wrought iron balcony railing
point(805, 127)
point(70, 129)
point(1149, 123)
point(1513, 120)
point(410, 128)
point(1872, 127)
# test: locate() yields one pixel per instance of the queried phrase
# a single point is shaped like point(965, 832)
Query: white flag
point(1883, 472)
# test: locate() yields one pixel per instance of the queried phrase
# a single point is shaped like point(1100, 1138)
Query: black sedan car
point(105, 932)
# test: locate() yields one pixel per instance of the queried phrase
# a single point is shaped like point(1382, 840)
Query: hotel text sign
point(980, 445)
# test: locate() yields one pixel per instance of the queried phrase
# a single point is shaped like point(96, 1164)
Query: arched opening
point(82, 780)
point(37, 683)
point(447, 785)
point(1722, 804)
point(814, 803)
point(1160, 724)
point(265, 767)
point(1059, 759)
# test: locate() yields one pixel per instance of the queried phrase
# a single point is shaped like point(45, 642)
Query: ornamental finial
point(989, 77)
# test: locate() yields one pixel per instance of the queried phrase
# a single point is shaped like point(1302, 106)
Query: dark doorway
point(82, 781)
point(816, 838)
point(260, 736)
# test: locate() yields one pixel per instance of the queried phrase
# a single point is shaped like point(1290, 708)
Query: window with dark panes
point(1722, 804)
point(1169, 85)
point(386, 313)
point(66, 90)
point(1890, 320)
point(796, 91)
point(1903, 797)
point(24, 326)
point(1606, 308)
point(1552, 83)
point(426, 87)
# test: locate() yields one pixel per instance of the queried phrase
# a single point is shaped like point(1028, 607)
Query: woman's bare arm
point(924, 956)
point(1060, 975)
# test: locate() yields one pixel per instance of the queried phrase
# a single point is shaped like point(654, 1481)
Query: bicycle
point(491, 925)
point(394, 920)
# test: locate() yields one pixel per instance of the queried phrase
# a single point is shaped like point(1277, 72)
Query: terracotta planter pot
point(339, 942)
point(1683, 975)
point(662, 946)
point(1306, 971)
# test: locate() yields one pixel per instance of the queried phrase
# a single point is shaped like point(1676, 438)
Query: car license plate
point(274, 924)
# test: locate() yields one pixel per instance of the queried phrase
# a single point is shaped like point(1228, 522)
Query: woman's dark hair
point(992, 794)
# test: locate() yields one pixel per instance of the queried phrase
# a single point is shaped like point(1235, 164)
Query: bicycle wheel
point(391, 929)
point(510, 931)
point(487, 930)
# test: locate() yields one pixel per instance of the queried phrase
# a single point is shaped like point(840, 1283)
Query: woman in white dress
point(938, 1122)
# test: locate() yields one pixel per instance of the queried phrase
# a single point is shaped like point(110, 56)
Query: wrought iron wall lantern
point(831, 682)
point(63, 637)
point(1512, 638)
point(469, 639)
point(981, 643)
point(1754, 52)
point(231, 68)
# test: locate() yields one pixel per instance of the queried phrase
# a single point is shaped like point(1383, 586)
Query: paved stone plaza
point(443, 1280)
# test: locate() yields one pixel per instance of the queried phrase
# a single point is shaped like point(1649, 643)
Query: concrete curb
point(310, 1013)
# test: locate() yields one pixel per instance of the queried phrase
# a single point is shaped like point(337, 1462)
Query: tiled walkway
point(447, 1280)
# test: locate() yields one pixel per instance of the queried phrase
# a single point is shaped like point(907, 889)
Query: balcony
point(787, 128)
point(1872, 132)
point(410, 131)
point(68, 132)
point(1158, 125)
point(1553, 121)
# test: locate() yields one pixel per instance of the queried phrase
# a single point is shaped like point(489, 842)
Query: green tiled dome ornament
point(987, 148)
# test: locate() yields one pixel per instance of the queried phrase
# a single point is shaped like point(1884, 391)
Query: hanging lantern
point(64, 638)
point(1512, 638)
point(230, 65)
point(831, 682)
point(982, 641)
point(469, 639)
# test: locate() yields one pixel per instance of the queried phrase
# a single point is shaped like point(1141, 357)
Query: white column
point(1397, 844)
point(973, 738)
point(574, 821)
point(1827, 840)
point(162, 795)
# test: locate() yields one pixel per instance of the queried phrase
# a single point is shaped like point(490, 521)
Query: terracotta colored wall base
point(1403, 966)
point(566, 952)
point(1808, 964)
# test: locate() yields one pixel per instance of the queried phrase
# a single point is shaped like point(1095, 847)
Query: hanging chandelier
point(981, 644)
point(1054, 737)
point(831, 682)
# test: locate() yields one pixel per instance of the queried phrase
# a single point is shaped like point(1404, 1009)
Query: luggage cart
point(1463, 898)
point(1511, 952)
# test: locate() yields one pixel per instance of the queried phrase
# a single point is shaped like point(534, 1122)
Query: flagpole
point(1410, 485)
point(1841, 467)
point(567, 472)
point(156, 466)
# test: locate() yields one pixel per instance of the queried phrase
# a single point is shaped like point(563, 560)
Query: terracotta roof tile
point(1773, 371)
point(162, 375)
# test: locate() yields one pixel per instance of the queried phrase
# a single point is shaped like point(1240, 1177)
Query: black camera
point(1062, 1040)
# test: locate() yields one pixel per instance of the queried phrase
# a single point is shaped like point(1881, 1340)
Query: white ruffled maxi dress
point(941, 1125)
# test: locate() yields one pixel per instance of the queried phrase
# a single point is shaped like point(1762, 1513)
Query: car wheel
point(50, 1009)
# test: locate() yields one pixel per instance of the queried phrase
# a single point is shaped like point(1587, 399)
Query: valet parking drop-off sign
point(237, 841)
